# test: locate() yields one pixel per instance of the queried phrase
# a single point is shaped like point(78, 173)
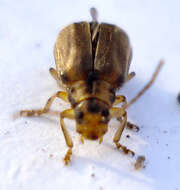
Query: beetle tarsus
point(124, 149)
point(67, 157)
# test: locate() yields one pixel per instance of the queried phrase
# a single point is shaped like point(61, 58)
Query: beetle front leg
point(120, 99)
point(120, 113)
point(60, 94)
point(69, 113)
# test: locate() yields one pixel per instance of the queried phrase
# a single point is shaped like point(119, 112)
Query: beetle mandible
point(92, 63)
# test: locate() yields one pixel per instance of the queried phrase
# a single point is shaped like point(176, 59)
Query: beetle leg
point(55, 75)
point(130, 125)
point(120, 99)
point(69, 113)
point(60, 94)
point(130, 76)
point(120, 113)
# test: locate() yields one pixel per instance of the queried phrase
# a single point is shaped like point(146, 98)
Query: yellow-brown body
point(92, 62)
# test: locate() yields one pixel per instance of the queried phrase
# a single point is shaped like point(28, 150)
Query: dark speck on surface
point(178, 98)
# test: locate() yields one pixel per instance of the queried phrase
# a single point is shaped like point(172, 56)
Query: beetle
point(92, 63)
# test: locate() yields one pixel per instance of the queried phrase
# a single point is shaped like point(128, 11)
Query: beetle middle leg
point(120, 113)
point(129, 125)
point(59, 94)
point(69, 113)
point(55, 76)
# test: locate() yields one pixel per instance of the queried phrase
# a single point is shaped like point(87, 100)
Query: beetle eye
point(105, 113)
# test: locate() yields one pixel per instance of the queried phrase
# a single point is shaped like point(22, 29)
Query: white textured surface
point(32, 148)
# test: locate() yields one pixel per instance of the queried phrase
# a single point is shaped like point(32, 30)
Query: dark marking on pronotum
point(72, 90)
point(89, 89)
point(79, 116)
point(120, 81)
point(111, 90)
point(97, 91)
point(92, 76)
point(93, 106)
point(112, 98)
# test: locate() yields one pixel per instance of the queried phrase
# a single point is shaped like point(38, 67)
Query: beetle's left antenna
point(95, 25)
point(94, 14)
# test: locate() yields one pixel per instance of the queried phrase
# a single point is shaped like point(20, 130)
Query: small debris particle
point(178, 98)
point(92, 175)
point(43, 149)
point(51, 156)
point(139, 162)
point(164, 131)
point(100, 188)
point(166, 144)
point(169, 157)
point(127, 136)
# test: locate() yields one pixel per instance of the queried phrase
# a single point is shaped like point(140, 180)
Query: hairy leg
point(120, 113)
point(28, 113)
point(69, 113)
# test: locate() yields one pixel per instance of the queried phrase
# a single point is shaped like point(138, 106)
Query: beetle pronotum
point(92, 63)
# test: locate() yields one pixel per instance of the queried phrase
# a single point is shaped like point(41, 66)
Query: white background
point(31, 149)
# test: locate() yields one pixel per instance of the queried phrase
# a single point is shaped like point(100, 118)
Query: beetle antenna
point(148, 85)
point(94, 14)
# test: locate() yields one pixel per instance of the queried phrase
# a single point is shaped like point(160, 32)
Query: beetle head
point(92, 117)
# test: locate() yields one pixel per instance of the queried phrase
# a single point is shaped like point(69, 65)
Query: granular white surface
point(32, 148)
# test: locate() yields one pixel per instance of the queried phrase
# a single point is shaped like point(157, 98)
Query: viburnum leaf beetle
point(92, 63)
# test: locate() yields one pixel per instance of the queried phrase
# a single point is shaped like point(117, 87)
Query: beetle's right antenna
point(94, 14)
point(148, 85)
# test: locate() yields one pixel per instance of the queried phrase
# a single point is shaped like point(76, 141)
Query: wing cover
point(113, 54)
point(73, 53)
